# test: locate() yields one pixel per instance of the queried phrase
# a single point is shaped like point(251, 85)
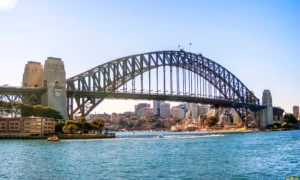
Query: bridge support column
point(266, 114)
point(54, 78)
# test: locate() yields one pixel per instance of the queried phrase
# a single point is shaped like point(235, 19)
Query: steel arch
point(110, 76)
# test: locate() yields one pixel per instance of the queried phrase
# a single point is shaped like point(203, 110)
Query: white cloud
point(7, 4)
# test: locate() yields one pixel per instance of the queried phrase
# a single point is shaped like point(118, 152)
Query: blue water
point(262, 155)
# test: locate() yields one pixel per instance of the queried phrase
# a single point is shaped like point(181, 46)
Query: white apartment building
point(165, 110)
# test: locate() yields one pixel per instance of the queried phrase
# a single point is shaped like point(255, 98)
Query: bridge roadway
point(278, 111)
point(9, 90)
point(216, 101)
point(20, 90)
point(26, 95)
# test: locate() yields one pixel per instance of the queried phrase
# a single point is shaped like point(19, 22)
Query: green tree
point(98, 123)
point(123, 122)
point(211, 121)
point(27, 110)
point(133, 118)
point(70, 128)
point(81, 122)
point(290, 118)
point(59, 126)
point(67, 122)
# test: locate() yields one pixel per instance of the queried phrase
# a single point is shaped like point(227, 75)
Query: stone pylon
point(266, 114)
point(54, 79)
point(33, 75)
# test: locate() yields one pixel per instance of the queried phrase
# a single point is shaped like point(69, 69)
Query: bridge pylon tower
point(266, 115)
point(54, 79)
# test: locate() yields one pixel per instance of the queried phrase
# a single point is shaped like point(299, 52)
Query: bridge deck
point(202, 100)
point(20, 90)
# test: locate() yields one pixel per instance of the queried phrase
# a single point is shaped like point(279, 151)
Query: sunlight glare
point(7, 4)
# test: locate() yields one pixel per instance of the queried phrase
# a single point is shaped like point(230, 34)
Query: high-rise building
point(165, 110)
point(177, 112)
point(195, 112)
point(190, 106)
point(156, 107)
point(140, 106)
point(183, 106)
point(203, 109)
point(147, 112)
point(296, 111)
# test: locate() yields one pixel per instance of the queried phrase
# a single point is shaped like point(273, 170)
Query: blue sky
point(258, 41)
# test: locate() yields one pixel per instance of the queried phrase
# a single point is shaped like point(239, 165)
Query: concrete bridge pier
point(265, 115)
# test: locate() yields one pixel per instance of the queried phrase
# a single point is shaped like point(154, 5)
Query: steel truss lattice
point(183, 74)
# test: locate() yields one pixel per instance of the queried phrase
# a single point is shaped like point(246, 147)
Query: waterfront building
point(103, 116)
point(156, 107)
point(140, 106)
point(128, 113)
point(190, 106)
point(177, 112)
point(296, 111)
point(139, 113)
point(115, 118)
point(165, 110)
point(195, 112)
point(183, 106)
point(203, 109)
point(26, 125)
point(188, 114)
point(147, 112)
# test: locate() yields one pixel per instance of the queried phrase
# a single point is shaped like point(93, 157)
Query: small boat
point(160, 136)
point(53, 138)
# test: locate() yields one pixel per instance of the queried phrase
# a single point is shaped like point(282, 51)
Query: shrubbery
point(211, 121)
point(286, 125)
point(290, 118)
point(277, 125)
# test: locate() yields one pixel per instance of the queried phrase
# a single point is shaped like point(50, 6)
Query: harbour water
point(259, 155)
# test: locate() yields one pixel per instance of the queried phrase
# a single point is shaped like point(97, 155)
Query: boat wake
point(187, 137)
point(156, 137)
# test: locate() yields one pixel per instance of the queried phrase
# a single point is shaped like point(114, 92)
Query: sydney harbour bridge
point(161, 75)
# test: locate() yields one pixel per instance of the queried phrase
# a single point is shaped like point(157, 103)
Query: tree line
point(18, 109)
point(80, 124)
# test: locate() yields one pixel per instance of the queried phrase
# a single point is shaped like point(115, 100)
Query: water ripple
point(263, 155)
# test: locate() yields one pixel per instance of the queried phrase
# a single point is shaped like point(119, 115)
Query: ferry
point(53, 138)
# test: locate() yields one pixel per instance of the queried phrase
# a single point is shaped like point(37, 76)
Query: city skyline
point(262, 58)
